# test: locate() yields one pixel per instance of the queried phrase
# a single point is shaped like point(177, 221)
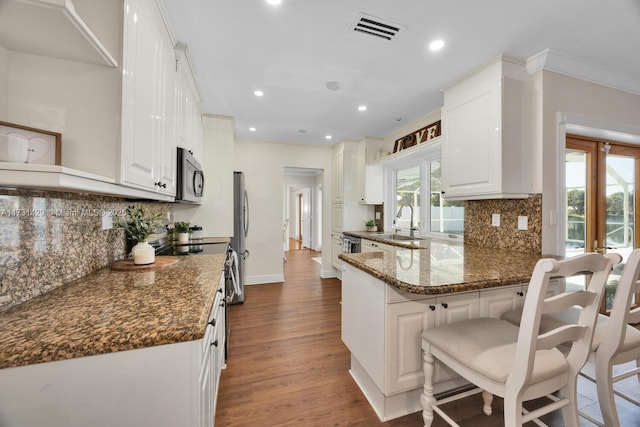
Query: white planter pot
point(183, 237)
point(143, 253)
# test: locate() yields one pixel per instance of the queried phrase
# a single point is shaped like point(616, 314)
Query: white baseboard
point(328, 274)
point(257, 280)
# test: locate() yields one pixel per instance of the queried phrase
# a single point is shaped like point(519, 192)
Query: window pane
point(446, 217)
point(408, 198)
point(576, 182)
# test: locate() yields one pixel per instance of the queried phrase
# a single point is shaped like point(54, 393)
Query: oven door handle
point(198, 187)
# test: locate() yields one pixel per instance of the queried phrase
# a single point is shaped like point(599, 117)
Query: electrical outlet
point(377, 215)
point(495, 220)
point(107, 222)
point(523, 223)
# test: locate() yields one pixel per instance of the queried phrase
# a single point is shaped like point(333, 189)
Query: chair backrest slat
point(560, 335)
point(561, 302)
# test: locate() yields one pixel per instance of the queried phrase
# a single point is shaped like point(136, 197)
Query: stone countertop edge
point(374, 235)
point(109, 311)
point(480, 268)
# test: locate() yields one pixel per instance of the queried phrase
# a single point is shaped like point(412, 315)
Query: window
point(407, 180)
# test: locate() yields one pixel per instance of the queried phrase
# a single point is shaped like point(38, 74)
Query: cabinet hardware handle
point(520, 293)
point(445, 305)
point(432, 307)
point(222, 304)
point(212, 322)
point(442, 192)
point(220, 290)
point(164, 185)
point(190, 152)
point(215, 343)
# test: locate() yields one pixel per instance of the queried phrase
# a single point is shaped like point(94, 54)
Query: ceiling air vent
point(381, 29)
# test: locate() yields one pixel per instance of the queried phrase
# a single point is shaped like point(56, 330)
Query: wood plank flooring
point(287, 365)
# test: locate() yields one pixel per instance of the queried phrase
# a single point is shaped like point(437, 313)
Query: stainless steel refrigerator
point(240, 231)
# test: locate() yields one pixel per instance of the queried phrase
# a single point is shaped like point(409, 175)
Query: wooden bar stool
point(517, 363)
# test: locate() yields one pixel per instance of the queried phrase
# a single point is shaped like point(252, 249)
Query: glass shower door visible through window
point(601, 201)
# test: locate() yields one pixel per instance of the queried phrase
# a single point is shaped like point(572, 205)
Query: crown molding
point(568, 65)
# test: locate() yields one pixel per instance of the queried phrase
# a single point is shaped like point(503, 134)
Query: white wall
point(588, 102)
point(81, 101)
point(215, 214)
point(263, 163)
point(4, 81)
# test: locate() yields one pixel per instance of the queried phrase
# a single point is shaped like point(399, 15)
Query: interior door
point(601, 200)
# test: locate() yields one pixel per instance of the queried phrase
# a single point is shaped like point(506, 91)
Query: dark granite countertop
point(443, 267)
point(109, 311)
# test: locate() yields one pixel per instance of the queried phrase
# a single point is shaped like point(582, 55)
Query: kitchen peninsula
point(390, 297)
point(117, 348)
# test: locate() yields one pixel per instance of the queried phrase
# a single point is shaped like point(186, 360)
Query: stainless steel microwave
point(190, 178)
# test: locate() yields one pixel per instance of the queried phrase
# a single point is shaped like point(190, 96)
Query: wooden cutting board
point(128, 265)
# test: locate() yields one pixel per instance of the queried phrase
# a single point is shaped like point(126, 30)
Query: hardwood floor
point(288, 366)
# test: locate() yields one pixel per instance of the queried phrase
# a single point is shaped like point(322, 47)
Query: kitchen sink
point(396, 237)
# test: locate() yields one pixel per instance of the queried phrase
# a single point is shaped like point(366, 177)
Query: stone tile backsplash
point(51, 238)
point(478, 230)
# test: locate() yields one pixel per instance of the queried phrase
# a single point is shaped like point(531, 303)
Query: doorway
point(601, 194)
point(302, 213)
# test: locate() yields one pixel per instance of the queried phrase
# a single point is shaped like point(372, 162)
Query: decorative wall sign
point(22, 144)
point(419, 136)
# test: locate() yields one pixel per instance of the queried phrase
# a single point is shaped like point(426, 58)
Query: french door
point(601, 200)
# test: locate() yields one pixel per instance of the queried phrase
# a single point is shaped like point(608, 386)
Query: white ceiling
point(292, 50)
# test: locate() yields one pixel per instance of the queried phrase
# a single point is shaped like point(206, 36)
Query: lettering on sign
point(419, 136)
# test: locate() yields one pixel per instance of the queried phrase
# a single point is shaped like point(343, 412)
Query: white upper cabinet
point(484, 152)
point(189, 129)
point(148, 158)
point(51, 28)
point(370, 181)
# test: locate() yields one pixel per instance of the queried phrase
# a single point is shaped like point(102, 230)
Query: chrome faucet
point(411, 234)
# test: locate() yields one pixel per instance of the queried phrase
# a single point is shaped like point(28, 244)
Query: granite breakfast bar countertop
point(109, 311)
point(443, 267)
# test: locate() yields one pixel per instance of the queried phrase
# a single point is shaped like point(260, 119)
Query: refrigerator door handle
point(246, 214)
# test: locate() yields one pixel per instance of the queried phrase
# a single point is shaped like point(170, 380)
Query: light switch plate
point(495, 220)
point(523, 223)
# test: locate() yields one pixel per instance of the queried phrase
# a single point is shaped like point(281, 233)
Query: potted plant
point(182, 228)
point(138, 226)
point(371, 225)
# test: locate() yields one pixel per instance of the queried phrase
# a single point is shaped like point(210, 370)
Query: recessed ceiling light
point(436, 45)
point(252, 129)
point(274, 2)
point(362, 108)
point(258, 93)
point(328, 137)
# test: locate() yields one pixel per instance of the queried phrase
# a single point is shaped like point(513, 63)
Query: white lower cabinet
point(367, 245)
point(336, 242)
point(382, 327)
point(161, 386)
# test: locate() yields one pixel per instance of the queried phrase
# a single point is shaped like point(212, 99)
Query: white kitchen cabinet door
point(367, 245)
point(484, 150)
point(336, 247)
point(336, 217)
point(450, 309)
point(373, 185)
point(405, 323)
point(495, 302)
point(336, 189)
point(148, 88)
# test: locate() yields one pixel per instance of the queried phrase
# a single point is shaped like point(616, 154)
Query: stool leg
point(426, 398)
point(487, 398)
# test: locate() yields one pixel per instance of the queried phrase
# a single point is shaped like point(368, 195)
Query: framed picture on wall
point(23, 144)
